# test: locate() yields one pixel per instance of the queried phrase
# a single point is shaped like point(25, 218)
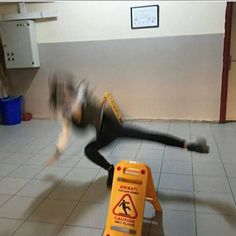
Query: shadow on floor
point(84, 186)
point(75, 191)
point(221, 208)
point(157, 219)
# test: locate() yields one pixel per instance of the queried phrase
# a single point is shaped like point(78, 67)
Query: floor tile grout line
point(19, 178)
point(10, 172)
point(95, 178)
point(60, 226)
point(20, 148)
point(114, 149)
point(142, 141)
point(139, 147)
point(43, 199)
point(24, 177)
point(157, 188)
point(84, 193)
point(76, 205)
point(166, 209)
point(12, 163)
point(31, 156)
point(82, 226)
point(135, 159)
point(191, 157)
point(163, 156)
point(45, 145)
point(234, 198)
point(15, 194)
point(40, 203)
point(194, 194)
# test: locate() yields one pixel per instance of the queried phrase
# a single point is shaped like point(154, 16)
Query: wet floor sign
point(132, 185)
point(107, 97)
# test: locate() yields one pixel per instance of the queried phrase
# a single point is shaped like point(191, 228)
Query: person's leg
point(108, 133)
point(137, 133)
point(199, 146)
point(91, 151)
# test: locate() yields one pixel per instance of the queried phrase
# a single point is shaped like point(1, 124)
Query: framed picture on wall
point(144, 17)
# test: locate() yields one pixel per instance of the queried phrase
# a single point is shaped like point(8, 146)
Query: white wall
point(104, 20)
point(179, 79)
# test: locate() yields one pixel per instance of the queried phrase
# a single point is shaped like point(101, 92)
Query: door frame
point(226, 61)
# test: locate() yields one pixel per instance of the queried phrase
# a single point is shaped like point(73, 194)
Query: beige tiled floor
point(197, 192)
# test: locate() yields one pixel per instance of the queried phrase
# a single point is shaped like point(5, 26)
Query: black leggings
point(111, 130)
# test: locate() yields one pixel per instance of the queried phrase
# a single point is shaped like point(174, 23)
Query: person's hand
point(51, 161)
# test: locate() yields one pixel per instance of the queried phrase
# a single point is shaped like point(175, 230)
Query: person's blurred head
point(61, 90)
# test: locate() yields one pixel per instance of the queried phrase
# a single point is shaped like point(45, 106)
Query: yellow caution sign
point(107, 97)
point(125, 207)
point(132, 185)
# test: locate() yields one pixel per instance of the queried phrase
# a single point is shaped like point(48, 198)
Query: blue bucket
point(11, 110)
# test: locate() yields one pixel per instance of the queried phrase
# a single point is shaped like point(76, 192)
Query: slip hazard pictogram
point(125, 207)
point(132, 186)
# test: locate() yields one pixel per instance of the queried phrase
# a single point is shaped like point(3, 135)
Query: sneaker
point(110, 176)
point(199, 146)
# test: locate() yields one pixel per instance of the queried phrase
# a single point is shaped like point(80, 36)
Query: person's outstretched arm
point(62, 141)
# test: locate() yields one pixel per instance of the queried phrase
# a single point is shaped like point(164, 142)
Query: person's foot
point(199, 146)
point(110, 176)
